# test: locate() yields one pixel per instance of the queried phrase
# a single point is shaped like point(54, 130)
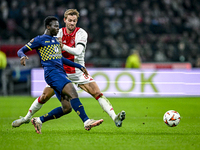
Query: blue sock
point(54, 114)
point(79, 109)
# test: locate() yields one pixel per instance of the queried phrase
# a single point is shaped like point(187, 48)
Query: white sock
point(38, 120)
point(86, 122)
point(107, 107)
point(33, 109)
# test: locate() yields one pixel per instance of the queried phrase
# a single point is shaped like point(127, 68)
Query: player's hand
point(84, 70)
point(23, 60)
point(60, 41)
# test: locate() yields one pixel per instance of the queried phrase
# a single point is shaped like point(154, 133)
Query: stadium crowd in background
point(162, 30)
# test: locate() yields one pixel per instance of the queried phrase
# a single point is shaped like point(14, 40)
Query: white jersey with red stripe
point(78, 36)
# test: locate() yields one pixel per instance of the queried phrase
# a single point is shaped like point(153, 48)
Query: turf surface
point(143, 127)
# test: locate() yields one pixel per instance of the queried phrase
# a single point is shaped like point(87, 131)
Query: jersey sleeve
point(81, 37)
point(34, 43)
point(28, 47)
point(70, 63)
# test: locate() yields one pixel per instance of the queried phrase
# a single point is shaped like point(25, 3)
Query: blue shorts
point(57, 80)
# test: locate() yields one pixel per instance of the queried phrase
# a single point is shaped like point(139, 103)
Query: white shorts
point(80, 78)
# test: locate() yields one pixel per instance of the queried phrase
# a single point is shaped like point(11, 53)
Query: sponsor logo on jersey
point(47, 41)
point(56, 49)
point(56, 55)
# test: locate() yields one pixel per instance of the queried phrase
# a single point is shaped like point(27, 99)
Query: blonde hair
point(71, 12)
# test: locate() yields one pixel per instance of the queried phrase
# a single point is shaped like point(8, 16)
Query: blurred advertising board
point(166, 65)
point(14, 61)
point(122, 82)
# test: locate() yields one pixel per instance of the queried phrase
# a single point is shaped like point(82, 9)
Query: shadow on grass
point(108, 133)
point(116, 131)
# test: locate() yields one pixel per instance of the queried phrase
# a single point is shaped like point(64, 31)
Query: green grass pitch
point(143, 128)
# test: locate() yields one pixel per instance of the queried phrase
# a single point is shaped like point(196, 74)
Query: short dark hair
point(48, 20)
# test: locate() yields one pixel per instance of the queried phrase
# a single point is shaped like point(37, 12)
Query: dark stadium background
point(164, 31)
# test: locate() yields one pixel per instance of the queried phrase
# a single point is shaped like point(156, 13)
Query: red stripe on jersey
point(69, 40)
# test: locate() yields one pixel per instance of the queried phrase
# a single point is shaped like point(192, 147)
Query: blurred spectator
point(166, 30)
point(3, 60)
point(3, 64)
point(197, 62)
point(133, 60)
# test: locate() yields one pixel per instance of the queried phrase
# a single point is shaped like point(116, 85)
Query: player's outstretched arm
point(73, 64)
point(21, 53)
point(70, 63)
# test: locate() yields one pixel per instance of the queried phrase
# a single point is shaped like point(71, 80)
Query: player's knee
point(67, 110)
point(73, 95)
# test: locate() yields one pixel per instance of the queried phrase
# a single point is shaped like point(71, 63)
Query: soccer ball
point(171, 118)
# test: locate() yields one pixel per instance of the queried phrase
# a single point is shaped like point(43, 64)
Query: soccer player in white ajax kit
point(74, 40)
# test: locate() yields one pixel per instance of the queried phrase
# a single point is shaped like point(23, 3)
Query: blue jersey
point(48, 48)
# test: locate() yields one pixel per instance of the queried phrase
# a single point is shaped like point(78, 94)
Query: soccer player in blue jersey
point(49, 50)
point(73, 42)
